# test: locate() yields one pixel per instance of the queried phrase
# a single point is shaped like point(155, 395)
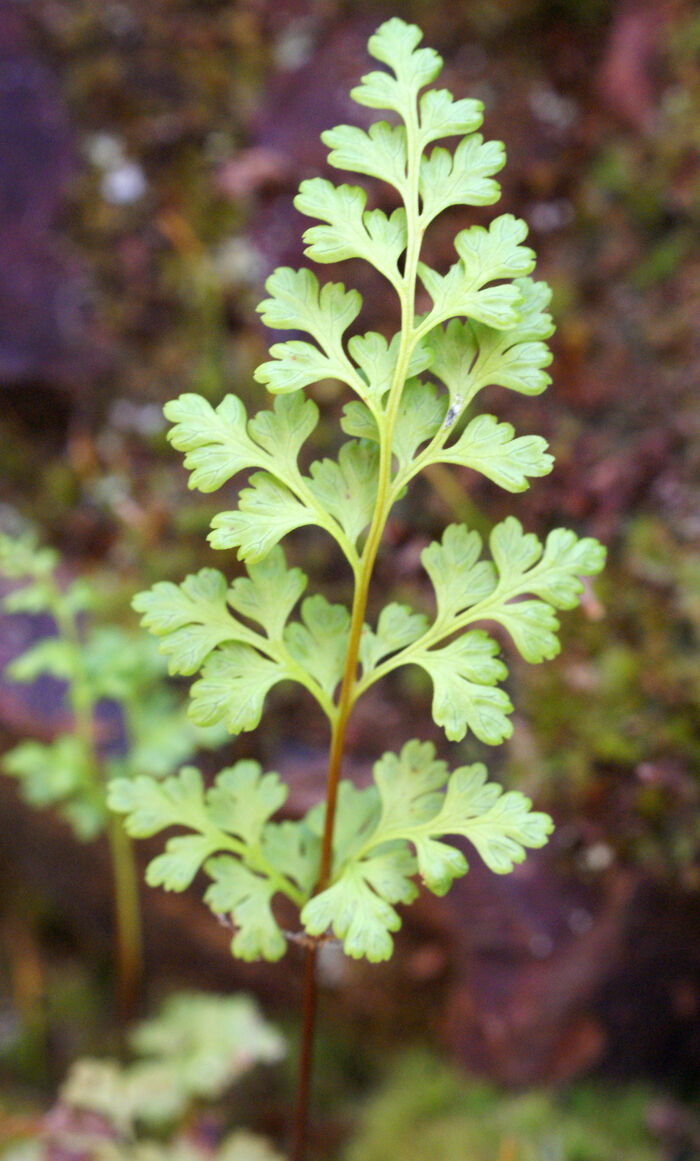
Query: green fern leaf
point(215, 441)
point(282, 433)
point(266, 512)
point(420, 415)
point(359, 909)
point(381, 152)
point(484, 255)
point(232, 688)
point(464, 675)
point(488, 447)
point(152, 806)
point(346, 488)
point(442, 116)
point(469, 356)
point(565, 558)
point(468, 590)
point(459, 577)
point(233, 840)
point(454, 349)
point(269, 593)
point(297, 364)
point(356, 817)
point(191, 619)
point(204, 1042)
point(533, 626)
point(465, 671)
point(243, 800)
point(246, 897)
point(292, 849)
point(395, 44)
point(175, 869)
point(339, 496)
point(397, 627)
point(500, 826)
point(352, 231)
point(462, 178)
point(357, 420)
point(297, 303)
point(416, 802)
point(21, 557)
point(220, 443)
point(319, 642)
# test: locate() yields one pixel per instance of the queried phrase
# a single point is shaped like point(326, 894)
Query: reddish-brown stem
point(345, 703)
point(309, 996)
point(340, 724)
point(308, 1023)
point(406, 292)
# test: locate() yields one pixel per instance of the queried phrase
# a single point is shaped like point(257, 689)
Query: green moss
point(427, 1112)
point(664, 259)
point(614, 721)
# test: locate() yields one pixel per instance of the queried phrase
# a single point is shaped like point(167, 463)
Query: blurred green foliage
point(98, 663)
point(192, 1050)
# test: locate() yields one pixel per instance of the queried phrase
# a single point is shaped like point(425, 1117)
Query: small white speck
point(236, 262)
point(548, 216)
point(143, 418)
point(454, 410)
point(123, 185)
point(331, 964)
point(579, 921)
point(104, 150)
point(598, 857)
point(552, 108)
point(294, 46)
point(111, 490)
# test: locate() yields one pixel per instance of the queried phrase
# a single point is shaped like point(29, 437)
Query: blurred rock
point(627, 78)
point(44, 290)
point(302, 99)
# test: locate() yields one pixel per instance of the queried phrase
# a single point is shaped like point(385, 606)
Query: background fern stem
point(406, 290)
point(127, 908)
